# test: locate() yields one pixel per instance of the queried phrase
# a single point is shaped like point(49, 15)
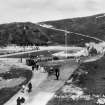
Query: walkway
point(44, 87)
point(49, 48)
point(36, 80)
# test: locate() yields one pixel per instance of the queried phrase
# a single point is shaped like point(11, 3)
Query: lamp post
point(66, 43)
point(24, 33)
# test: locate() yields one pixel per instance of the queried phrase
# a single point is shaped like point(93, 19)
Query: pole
point(66, 43)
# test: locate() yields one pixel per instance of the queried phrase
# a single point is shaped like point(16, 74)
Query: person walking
point(18, 101)
point(22, 100)
point(32, 67)
point(29, 87)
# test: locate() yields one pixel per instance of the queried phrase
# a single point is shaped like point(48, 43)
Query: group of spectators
point(48, 69)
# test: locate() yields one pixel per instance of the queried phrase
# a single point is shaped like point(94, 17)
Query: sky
point(43, 10)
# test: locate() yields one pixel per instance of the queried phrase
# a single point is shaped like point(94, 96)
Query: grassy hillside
point(91, 25)
point(29, 33)
point(21, 34)
point(72, 38)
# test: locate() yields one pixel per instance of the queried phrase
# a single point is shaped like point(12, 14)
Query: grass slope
point(94, 81)
point(6, 93)
point(90, 25)
point(21, 34)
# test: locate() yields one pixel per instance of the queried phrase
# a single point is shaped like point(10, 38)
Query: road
point(17, 53)
point(65, 31)
point(45, 48)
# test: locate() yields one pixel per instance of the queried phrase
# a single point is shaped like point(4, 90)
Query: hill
point(92, 25)
point(23, 33)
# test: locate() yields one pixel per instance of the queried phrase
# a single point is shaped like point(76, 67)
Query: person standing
point(37, 67)
point(57, 73)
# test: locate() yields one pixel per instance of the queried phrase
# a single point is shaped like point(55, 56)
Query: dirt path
point(45, 91)
point(53, 28)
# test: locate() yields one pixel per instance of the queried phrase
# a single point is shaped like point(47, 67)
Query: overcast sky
point(42, 10)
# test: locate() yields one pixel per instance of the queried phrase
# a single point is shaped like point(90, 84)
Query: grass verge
point(6, 93)
point(93, 82)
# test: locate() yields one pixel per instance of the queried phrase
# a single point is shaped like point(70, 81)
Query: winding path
point(53, 28)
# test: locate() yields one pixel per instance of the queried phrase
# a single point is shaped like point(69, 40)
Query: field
point(12, 78)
